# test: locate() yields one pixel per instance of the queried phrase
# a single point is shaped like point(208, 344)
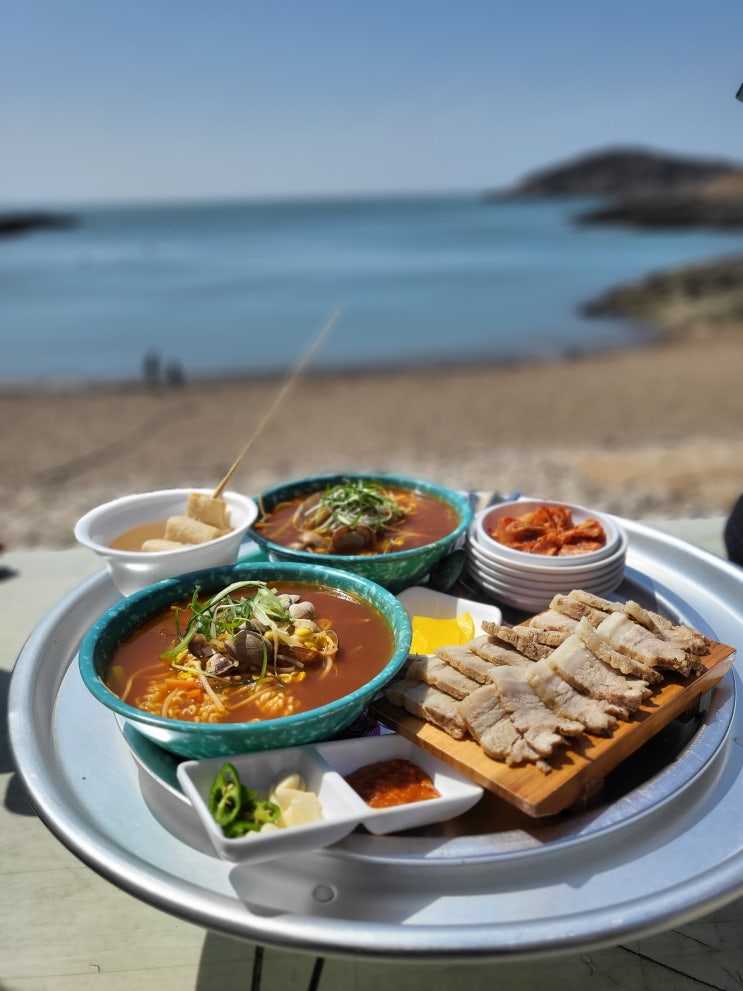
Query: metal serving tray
point(659, 854)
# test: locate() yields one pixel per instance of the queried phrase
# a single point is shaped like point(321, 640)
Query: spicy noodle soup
point(357, 518)
point(353, 644)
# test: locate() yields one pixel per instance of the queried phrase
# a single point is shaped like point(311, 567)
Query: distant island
point(14, 224)
point(643, 188)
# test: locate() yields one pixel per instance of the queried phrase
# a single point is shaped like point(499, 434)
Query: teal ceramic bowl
point(396, 571)
point(196, 740)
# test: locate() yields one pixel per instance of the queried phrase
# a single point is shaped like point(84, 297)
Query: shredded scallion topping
point(354, 503)
point(223, 613)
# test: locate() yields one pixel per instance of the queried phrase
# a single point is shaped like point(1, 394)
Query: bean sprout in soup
point(251, 652)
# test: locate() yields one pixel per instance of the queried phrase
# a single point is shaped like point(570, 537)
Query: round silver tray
point(660, 853)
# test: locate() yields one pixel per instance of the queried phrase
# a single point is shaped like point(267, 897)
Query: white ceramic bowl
point(487, 519)
point(530, 598)
point(133, 570)
point(323, 767)
point(528, 581)
point(534, 576)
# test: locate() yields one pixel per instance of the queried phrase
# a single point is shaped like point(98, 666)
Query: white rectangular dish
point(421, 601)
point(323, 767)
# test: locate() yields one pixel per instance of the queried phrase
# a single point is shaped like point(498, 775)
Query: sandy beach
point(652, 432)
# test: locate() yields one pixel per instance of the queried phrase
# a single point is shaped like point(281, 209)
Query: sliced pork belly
point(597, 715)
point(429, 703)
point(498, 654)
point(551, 619)
point(574, 662)
point(683, 636)
point(493, 728)
point(529, 713)
point(575, 609)
point(635, 641)
point(461, 657)
point(525, 644)
point(435, 671)
point(689, 640)
point(602, 649)
point(650, 620)
point(549, 638)
point(596, 602)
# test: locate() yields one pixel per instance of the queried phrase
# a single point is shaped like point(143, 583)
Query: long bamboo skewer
point(280, 395)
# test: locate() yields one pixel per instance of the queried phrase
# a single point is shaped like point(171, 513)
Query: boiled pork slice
point(499, 654)
point(597, 715)
point(574, 662)
point(551, 619)
point(535, 634)
point(601, 648)
point(493, 728)
point(635, 641)
point(681, 635)
point(575, 609)
point(429, 703)
point(542, 728)
point(686, 637)
point(464, 659)
point(435, 671)
point(524, 644)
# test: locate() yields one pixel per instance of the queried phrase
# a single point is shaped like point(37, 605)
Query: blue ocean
point(241, 288)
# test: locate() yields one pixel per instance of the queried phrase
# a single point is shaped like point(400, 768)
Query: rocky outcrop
point(689, 210)
point(714, 203)
point(693, 297)
point(13, 224)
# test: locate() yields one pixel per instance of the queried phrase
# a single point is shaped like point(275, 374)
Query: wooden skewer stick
point(278, 399)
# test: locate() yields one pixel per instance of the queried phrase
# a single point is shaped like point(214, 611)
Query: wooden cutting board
point(579, 769)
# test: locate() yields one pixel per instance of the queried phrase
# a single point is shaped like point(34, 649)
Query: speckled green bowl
point(219, 739)
point(395, 571)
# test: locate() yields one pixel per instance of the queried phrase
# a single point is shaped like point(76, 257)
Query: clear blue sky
point(142, 100)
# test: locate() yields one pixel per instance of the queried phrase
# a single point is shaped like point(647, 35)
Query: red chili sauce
point(392, 782)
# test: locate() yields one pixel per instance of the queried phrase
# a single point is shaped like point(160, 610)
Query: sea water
point(241, 288)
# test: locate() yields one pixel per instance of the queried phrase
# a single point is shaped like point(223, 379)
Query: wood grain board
point(577, 770)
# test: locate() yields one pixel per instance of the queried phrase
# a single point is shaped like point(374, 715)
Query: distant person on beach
point(151, 369)
point(174, 374)
point(733, 533)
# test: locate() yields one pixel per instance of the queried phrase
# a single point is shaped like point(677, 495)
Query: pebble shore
point(645, 433)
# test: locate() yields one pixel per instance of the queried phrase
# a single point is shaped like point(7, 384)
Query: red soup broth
point(428, 519)
point(366, 644)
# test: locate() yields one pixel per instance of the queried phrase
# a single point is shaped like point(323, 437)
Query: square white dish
point(341, 806)
point(421, 601)
point(458, 793)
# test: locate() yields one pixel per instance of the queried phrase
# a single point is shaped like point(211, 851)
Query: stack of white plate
point(528, 581)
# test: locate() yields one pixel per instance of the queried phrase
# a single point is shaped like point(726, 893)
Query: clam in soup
point(358, 517)
point(251, 652)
